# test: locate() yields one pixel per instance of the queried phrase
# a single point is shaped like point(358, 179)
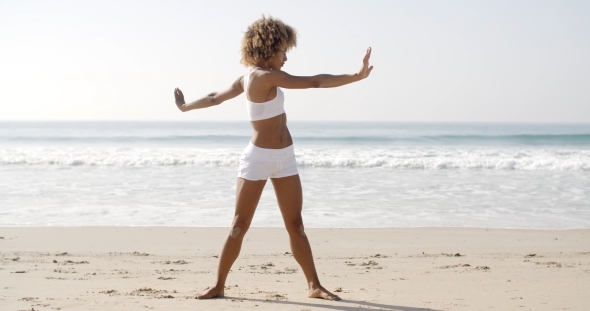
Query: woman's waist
point(273, 143)
point(253, 149)
point(271, 133)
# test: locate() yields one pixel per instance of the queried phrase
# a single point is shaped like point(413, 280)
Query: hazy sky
point(469, 61)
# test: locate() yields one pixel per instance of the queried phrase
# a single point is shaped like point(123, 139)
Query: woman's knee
point(238, 231)
point(239, 227)
point(295, 227)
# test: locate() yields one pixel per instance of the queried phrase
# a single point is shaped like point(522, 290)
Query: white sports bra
point(266, 110)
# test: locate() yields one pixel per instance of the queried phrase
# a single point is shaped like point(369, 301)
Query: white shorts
point(260, 164)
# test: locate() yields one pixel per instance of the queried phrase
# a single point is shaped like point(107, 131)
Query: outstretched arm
point(285, 80)
point(212, 99)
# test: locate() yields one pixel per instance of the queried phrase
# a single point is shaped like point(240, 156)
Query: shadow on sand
point(349, 305)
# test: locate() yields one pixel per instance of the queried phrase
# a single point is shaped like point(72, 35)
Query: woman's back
point(265, 109)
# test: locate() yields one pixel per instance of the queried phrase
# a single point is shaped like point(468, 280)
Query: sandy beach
point(162, 268)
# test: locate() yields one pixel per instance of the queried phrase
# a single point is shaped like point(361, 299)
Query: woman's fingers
point(366, 69)
point(178, 96)
point(367, 55)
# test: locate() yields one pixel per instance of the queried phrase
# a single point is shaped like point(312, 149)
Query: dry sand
point(162, 268)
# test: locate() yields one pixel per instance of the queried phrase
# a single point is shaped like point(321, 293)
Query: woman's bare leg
point(247, 196)
point(290, 199)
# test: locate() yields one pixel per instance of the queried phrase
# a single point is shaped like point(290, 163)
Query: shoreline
point(280, 227)
point(408, 269)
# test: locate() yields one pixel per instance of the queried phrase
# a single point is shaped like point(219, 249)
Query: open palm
point(366, 69)
point(178, 97)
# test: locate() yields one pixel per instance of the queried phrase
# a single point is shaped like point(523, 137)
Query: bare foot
point(210, 293)
point(321, 292)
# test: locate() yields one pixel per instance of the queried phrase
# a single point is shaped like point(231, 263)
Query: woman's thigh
point(248, 194)
point(289, 197)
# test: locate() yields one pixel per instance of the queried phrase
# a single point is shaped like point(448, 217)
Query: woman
point(270, 152)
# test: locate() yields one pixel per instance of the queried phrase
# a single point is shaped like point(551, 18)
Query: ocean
point(354, 174)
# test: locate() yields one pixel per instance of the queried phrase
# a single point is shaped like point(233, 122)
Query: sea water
point(354, 174)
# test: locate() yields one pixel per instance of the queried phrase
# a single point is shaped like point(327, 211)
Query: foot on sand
point(213, 292)
point(321, 292)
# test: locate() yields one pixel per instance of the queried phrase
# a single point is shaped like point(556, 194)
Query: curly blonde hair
point(265, 38)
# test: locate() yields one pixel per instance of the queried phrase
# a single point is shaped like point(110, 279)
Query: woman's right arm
point(211, 99)
point(285, 80)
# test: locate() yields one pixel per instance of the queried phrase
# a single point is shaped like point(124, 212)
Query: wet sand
point(162, 268)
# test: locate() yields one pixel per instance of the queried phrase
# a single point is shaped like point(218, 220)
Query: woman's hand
point(178, 97)
point(366, 69)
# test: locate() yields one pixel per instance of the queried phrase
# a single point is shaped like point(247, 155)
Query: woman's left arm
point(282, 79)
point(211, 99)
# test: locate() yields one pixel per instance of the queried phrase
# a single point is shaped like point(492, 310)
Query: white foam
point(424, 159)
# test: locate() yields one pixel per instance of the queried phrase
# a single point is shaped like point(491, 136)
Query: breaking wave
point(546, 159)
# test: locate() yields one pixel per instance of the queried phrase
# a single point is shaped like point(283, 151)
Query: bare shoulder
point(283, 79)
point(265, 77)
point(239, 83)
point(263, 74)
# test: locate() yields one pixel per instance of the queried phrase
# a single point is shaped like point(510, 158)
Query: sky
point(435, 61)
